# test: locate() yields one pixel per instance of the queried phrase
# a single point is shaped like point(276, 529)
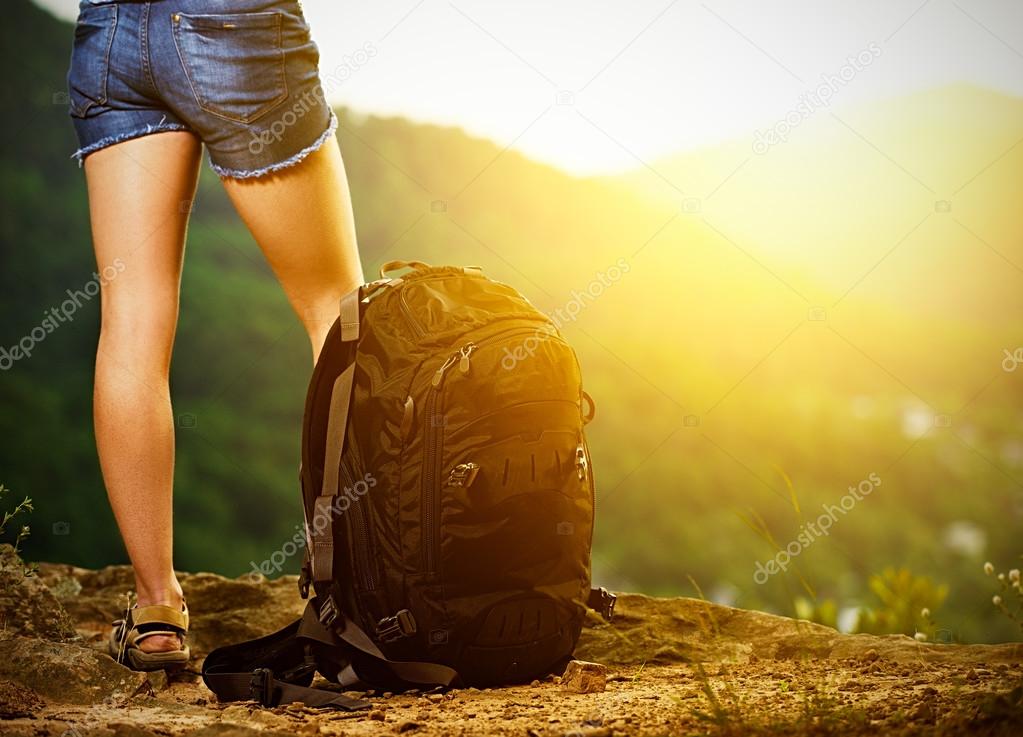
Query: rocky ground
point(674, 667)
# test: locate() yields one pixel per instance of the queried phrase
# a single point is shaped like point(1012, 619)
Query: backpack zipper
point(364, 558)
point(409, 317)
point(434, 441)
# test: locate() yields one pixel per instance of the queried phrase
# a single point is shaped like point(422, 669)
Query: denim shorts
point(244, 80)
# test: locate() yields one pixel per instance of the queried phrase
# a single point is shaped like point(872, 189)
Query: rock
point(158, 680)
point(924, 712)
point(377, 715)
point(682, 630)
point(436, 698)
point(67, 673)
point(18, 701)
point(584, 677)
point(407, 726)
point(27, 606)
point(222, 610)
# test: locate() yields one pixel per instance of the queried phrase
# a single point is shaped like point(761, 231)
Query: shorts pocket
point(90, 58)
point(234, 62)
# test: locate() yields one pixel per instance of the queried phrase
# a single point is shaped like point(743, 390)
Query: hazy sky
point(590, 86)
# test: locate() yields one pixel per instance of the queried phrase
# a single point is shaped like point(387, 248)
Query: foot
point(151, 637)
point(161, 643)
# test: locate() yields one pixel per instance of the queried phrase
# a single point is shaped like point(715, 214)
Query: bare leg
point(136, 195)
point(302, 219)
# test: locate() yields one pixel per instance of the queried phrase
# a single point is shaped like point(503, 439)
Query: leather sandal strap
point(139, 637)
point(160, 614)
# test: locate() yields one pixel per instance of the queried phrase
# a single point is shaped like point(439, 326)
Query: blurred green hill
point(723, 398)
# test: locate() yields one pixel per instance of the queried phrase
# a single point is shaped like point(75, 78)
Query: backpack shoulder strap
point(272, 670)
point(320, 529)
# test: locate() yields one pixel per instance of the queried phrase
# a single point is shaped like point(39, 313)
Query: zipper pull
point(465, 352)
point(438, 375)
point(463, 474)
point(580, 461)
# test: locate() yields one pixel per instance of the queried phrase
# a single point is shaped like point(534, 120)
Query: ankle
point(168, 595)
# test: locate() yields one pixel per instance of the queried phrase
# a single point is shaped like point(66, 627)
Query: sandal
point(147, 621)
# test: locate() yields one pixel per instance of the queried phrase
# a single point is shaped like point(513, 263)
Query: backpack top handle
point(395, 265)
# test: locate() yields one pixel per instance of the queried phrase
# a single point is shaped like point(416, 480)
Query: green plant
point(905, 603)
point(24, 507)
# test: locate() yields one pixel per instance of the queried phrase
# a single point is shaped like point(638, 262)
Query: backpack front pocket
point(234, 62)
point(90, 58)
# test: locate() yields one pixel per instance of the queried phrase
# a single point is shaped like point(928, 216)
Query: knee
point(142, 331)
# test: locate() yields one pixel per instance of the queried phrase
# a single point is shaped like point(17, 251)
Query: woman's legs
point(140, 192)
point(302, 219)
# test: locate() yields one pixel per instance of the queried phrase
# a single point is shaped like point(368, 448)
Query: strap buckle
point(261, 686)
point(301, 671)
point(329, 611)
point(305, 578)
point(392, 628)
point(603, 601)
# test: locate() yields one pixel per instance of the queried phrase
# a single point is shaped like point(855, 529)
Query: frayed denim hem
point(161, 127)
point(288, 162)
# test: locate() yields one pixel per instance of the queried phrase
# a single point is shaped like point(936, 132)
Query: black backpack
point(448, 498)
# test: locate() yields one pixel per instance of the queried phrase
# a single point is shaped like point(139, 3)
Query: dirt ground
point(675, 667)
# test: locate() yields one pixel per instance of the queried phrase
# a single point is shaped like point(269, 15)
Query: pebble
point(408, 726)
point(377, 715)
point(584, 677)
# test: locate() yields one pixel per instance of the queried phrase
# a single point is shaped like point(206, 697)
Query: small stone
point(870, 656)
point(388, 695)
point(584, 677)
point(354, 694)
point(436, 698)
point(407, 726)
point(377, 715)
point(924, 712)
point(535, 683)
